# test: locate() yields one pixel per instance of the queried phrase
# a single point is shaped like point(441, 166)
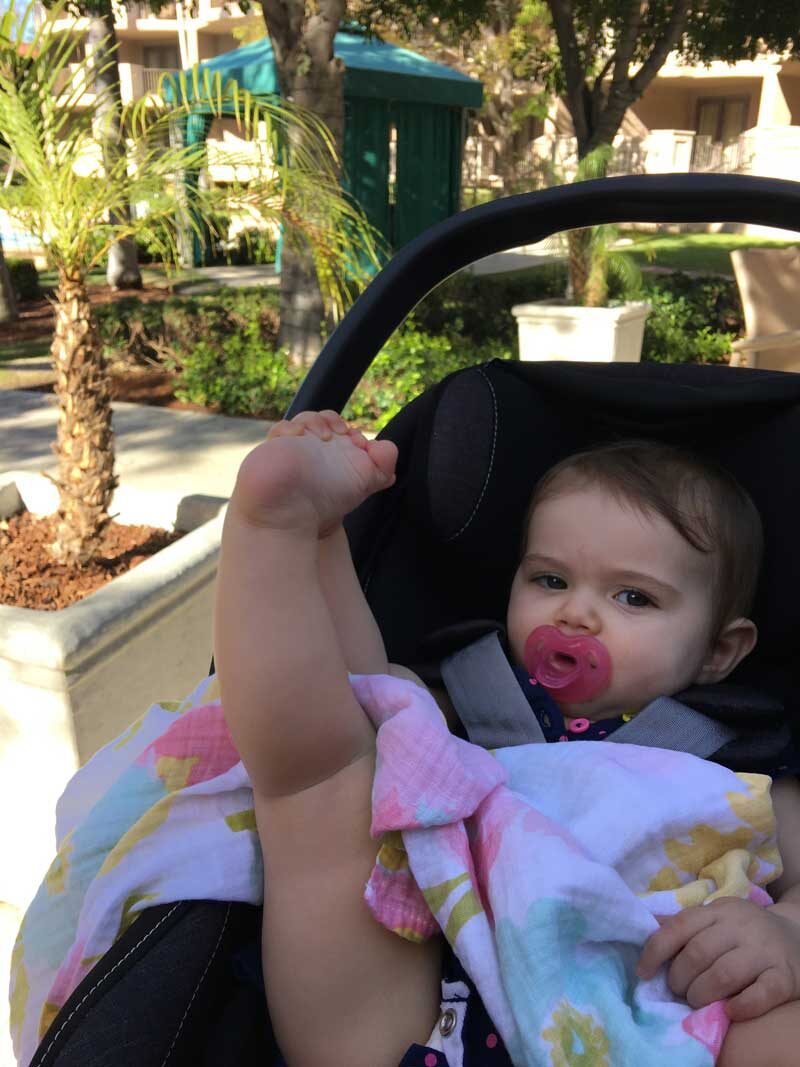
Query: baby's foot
point(310, 473)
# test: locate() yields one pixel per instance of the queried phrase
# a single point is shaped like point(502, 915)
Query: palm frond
point(292, 180)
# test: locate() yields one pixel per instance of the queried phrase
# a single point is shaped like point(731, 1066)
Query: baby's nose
point(578, 616)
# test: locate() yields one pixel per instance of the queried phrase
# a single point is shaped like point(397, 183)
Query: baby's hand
point(729, 948)
point(310, 472)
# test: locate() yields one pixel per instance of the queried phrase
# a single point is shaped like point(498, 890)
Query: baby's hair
point(698, 497)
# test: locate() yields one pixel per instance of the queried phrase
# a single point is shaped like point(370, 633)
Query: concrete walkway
point(207, 279)
point(156, 448)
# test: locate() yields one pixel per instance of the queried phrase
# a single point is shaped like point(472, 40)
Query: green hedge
point(223, 345)
point(409, 362)
point(24, 278)
point(693, 319)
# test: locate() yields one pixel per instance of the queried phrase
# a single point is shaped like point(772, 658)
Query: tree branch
point(574, 72)
point(597, 91)
point(662, 48)
point(624, 91)
point(624, 50)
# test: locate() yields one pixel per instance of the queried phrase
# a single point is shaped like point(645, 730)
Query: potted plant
point(584, 325)
point(71, 680)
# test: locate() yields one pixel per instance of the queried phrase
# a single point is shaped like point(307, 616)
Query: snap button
point(578, 726)
point(447, 1023)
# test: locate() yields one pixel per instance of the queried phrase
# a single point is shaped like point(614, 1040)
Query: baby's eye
point(632, 598)
point(550, 581)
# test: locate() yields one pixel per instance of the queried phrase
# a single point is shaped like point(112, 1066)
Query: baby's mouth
point(562, 662)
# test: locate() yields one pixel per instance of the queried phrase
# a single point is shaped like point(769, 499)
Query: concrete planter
point(554, 330)
point(72, 680)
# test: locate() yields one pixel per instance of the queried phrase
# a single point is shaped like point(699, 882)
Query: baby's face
point(594, 565)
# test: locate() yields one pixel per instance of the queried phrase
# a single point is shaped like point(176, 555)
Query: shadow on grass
point(37, 347)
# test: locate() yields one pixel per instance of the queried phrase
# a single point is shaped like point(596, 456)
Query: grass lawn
point(704, 252)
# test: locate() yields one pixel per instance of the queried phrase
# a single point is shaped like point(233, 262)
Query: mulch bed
point(30, 577)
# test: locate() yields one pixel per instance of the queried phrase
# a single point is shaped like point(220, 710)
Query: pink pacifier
point(577, 668)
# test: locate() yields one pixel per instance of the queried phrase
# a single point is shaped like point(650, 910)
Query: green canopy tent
point(404, 127)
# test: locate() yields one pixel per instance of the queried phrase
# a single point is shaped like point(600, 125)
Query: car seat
point(180, 987)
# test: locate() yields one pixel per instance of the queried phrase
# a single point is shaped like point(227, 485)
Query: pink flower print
point(389, 811)
point(495, 818)
point(759, 896)
point(709, 1026)
point(397, 903)
point(200, 734)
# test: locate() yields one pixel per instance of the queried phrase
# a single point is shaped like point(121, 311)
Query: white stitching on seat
point(458, 533)
point(200, 982)
point(38, 1063)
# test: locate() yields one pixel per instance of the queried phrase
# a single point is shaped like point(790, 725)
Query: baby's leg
point(341, 988)
point(771, 1040)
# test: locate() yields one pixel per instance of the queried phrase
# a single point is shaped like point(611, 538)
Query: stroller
point(180, 986)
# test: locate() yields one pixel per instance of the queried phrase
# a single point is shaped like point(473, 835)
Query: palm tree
point(73, 202)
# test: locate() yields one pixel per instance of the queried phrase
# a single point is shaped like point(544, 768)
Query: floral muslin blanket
point(543, 866)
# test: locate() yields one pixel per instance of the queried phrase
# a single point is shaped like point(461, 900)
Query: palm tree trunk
point(578, 244)
point(85, 441)
point(123, 267)
point(8, 302)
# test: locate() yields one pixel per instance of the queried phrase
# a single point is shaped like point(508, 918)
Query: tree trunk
point(123, 267)
point(578, 242)
point(85, 441)
point(597, 110)
point(8, 302)
point(310, 75)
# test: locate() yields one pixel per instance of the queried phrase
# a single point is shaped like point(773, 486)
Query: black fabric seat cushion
point(440, 548)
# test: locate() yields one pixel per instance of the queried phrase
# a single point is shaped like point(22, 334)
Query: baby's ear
point(736, 640)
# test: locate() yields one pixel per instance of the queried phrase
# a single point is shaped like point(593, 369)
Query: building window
point(722, 118)
point(161, 57)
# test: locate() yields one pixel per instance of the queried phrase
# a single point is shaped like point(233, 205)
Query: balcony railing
point(711, 155)
point(556, 158)
point(151, 76)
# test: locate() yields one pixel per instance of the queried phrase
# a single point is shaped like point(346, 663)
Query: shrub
point(409, 362)
point(678, 329)
point(132, 330)
point(166, 331)
point(147, 250)
point(222, 346)
point(239, 375)
point(24, 278)
point(711, 301)
point(249, 248)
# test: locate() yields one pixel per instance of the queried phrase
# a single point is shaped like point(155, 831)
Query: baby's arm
point(340, 987)
point(733, 948)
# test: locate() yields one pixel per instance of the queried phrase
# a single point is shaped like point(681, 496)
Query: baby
point(662, 581)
